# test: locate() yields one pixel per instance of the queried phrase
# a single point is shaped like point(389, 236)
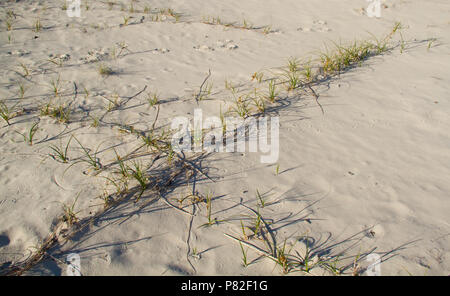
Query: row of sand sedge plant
point(148, 172)
point(303, 75)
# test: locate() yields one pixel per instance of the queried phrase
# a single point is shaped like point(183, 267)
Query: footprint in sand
point(227, 44)
point(95, 55)
point(317, 26)
point(19, 53)
point(160, 51)
point(203, 48)
point(220, 45)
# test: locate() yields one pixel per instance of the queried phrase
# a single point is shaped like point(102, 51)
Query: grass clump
point(114, 102)
point(257, 223)
point(267, 30)
point(95, 121)
point(258, 76)
point(138, 173)
point(70, 216)
point(272, 92)
point(170, 12)
point(55, 86)
point(9, 23)
point(292, 79)
point(244, 255)
point(105, 70)
point(211, 221)
point(28, 137)
point(260, 104)
point(126, 20)
point(292, 74)
point(261, 200)
point(123, 169)
point(7, 113)
point(60, 153)
point(151, 140)
point(258, 100)
point(282, 259)
point(89, 158)
point(152, 99)
point(345, 57)
point(430, 43)
point(59, 112)
point(22, 90)
point(241, 107)
point(307, 72)
point(37, 27)
point(25, 69)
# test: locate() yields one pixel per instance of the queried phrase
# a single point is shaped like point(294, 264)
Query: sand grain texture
point(379, 155)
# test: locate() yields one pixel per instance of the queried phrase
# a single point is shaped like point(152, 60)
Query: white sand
point(379, 155)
